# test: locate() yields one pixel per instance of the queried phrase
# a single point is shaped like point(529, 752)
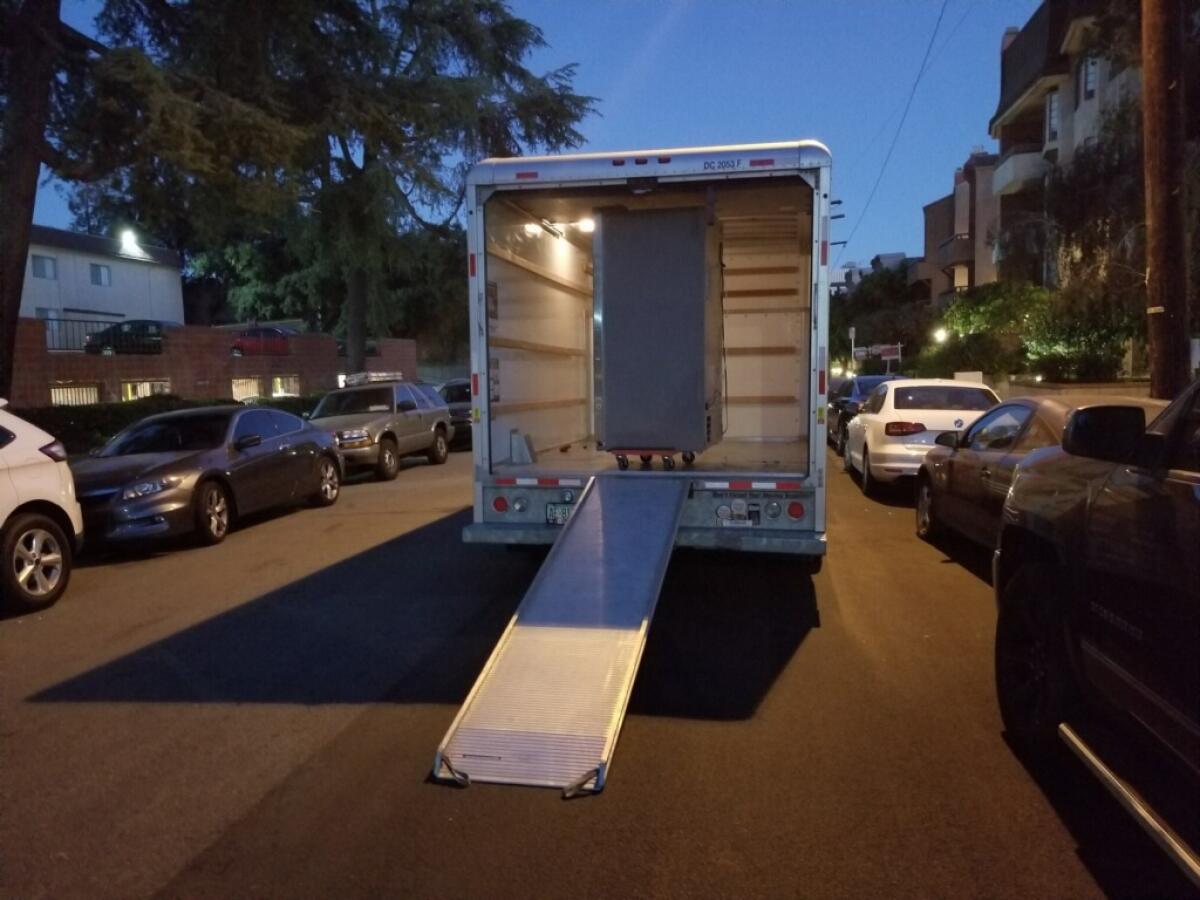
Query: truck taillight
point(56, 451)
point(500, 504)
point(899, 429)
point(796, 510)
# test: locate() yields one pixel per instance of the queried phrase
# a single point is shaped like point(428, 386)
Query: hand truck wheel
point(688, 457)
point(622, 462)
point(668, 462)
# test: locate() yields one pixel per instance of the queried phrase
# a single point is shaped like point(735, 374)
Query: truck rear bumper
point(800, 543)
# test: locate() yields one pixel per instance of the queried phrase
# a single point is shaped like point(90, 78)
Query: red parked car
point(263, 340)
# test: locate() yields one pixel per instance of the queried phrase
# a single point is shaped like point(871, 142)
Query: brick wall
point(195, 360)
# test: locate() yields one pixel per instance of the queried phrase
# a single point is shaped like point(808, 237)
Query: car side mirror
point(306, 415)
point(245, 443)
point(1111, 433)
point(947, 439)
point(406, 405)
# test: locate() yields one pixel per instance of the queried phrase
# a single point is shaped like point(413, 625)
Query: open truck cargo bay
point(543, 362)
point(662, 305)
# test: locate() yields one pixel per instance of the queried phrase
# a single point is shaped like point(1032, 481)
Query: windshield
point(943, 397)
point(456, 393)
point(183, 434)
point(867, 383)
point(347, 403)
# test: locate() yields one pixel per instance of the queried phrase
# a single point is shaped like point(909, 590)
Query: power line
point(900, 127)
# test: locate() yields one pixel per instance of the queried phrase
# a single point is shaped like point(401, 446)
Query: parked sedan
point(133, 336)
point(457, 394)
point(897, 426)
point(40, 521)
point(195, 471)
point(376, 424)
point(964, 479)
point(263, 340)
point(845, 400)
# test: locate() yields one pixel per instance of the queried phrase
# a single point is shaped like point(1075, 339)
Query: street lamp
point(940, 335)
point(129, 242)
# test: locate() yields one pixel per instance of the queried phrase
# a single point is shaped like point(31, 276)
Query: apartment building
point(959, 233)
point(1053, 97)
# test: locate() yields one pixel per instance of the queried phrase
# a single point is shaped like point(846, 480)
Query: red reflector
point(821, 381)
point(474, 384)
point(506, 481)
point(795, 510)
point(526, 176)
point(824, 253)
point(787, 485)
point(548, 482)
point(618, 162)
point(664, 159)
point(471, 259)
point(899, 429)
point(500, 504)
point(756, 163)
point(739, 485)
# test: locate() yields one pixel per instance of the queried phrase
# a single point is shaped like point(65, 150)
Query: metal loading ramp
point(548, 706)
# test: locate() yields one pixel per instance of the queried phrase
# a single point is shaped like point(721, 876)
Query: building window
point(1085, 80)
point(74, 394)
point(45, 267)
point(1052, 117)
point(246, 388)
point(285, 386)
point(101, 275)
point(137, 390)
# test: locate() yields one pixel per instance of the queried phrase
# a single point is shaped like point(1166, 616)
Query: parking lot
point(259, 718)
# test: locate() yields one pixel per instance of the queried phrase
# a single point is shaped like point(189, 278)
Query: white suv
point(42, 524)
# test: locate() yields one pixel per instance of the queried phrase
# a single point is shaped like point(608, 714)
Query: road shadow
point(414, 620)
point(725, 627)
point(975, 558)
point(1122, 858)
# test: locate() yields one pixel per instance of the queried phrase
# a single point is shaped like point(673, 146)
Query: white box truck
point(632, 307)
point(542, 361)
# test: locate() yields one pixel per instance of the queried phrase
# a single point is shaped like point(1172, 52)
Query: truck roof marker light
point(663, 160)
point(618, 162)
point(526, 176)
point(760, 163)
point(640, 161)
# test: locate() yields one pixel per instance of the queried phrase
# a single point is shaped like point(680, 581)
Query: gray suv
point(375, 425)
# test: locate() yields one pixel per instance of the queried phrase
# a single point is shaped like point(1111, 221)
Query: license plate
point(558, 513)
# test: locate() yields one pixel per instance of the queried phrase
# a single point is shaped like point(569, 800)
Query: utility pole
point(1163, 161)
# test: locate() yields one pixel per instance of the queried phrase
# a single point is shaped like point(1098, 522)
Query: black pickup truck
point(1097, 581)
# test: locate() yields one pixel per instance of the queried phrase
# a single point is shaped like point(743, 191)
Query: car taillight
point(500, 504)
point(898, 429)
point(56, 451)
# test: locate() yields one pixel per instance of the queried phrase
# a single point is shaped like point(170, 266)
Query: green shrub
point(985, 352)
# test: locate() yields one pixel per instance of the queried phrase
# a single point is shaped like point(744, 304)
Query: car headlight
point(146, 488)
point(354, 434)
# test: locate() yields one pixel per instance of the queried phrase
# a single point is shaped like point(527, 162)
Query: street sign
point(860, 353)
point(889, 351)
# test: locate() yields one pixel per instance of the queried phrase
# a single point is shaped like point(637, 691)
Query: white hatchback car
point(900, 420)
point(42, 525)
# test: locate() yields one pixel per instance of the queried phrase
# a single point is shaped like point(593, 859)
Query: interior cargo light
point(532, 229)
point(587, 226)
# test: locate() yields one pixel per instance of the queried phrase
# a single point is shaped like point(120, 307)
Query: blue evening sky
point(671, 73)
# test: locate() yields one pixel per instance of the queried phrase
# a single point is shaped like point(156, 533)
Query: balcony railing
point(106, 338)
point(956, 251)
point(1020, 168)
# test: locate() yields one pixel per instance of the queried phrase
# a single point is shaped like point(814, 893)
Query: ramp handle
point(462, 779)
point(575, 788)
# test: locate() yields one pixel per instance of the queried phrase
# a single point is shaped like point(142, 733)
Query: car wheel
point(329, 482)
point(1035, 687)
point(213, 513)
point(847, 465)
point(388, 466)
point(865, 481)
point(840, 440)
point(37, 558)
point(928, 526)
point(439, 450)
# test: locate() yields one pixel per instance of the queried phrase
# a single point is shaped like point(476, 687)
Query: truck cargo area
point(543, 318)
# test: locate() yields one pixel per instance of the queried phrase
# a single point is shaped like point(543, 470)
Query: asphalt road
point(260, 718)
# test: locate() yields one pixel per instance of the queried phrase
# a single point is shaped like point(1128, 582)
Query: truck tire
point(37, 562)
point(1035, 685)
point(388, 466)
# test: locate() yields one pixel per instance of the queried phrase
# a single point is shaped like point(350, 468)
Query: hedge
point(84, 428)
